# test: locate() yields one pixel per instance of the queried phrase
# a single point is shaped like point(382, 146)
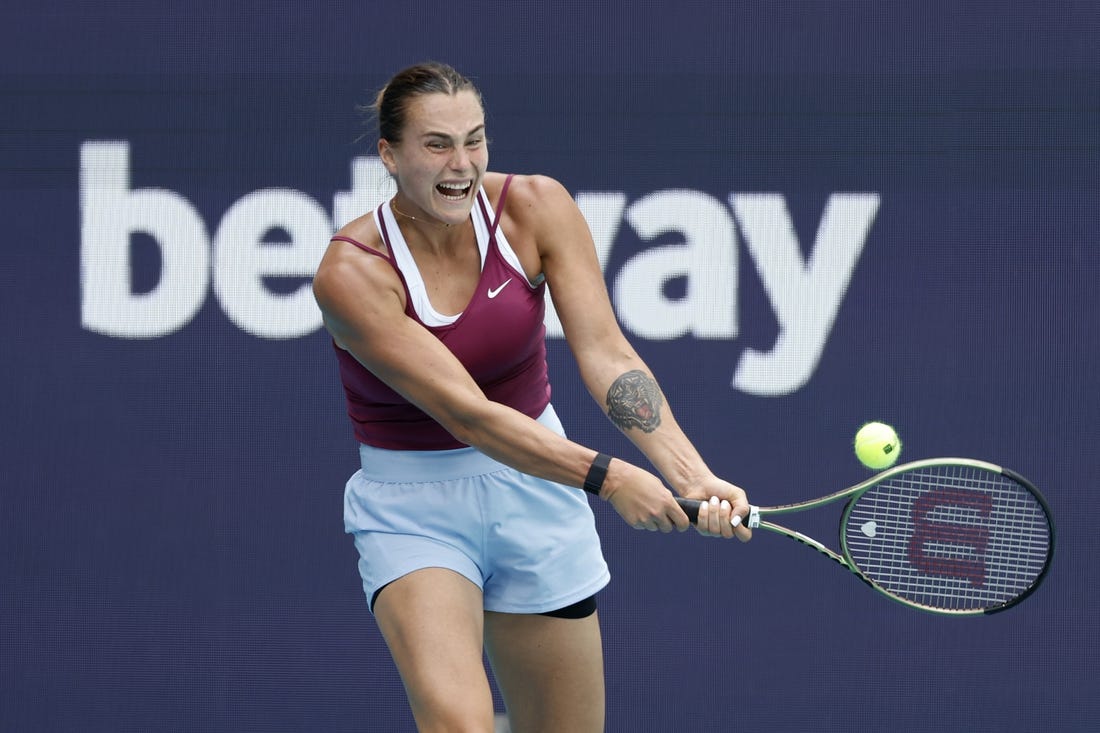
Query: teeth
point(453, 191)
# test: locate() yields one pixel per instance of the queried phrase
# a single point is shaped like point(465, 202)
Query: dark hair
point(429, 77)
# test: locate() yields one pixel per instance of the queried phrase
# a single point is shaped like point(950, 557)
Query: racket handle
point(691, 508)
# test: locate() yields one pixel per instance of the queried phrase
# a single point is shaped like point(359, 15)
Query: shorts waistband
point(383, 464)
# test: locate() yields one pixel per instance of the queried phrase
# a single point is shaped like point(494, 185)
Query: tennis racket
point(952, 536)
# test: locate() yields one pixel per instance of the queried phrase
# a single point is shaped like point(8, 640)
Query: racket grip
point(691, 508)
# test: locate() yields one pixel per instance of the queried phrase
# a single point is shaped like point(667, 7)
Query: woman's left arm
point(545, 214)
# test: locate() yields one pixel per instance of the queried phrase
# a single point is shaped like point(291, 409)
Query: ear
point(385, 152)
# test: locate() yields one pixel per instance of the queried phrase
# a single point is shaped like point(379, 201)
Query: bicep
point(578, 289)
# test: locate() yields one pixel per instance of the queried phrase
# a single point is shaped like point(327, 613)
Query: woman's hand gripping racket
point(952, 536)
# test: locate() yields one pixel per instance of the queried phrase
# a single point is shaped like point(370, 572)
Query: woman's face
point(441, 159)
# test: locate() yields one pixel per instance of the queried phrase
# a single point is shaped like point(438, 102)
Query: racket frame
point(757, 519)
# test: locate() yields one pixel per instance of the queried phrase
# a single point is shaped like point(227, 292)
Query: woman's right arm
point(362, 301)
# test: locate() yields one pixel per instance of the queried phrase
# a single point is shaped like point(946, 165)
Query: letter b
point(110, 213)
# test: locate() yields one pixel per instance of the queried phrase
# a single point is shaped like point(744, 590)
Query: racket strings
point(951, 537)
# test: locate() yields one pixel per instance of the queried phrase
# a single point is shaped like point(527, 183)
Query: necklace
point(393, 205)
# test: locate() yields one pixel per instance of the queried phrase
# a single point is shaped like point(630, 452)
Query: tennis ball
point(877, 445)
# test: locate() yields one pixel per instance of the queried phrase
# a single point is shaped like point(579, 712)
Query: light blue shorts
point(529, 544)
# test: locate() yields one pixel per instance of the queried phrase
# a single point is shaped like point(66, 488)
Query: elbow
point(468, 427)
point(464, 433)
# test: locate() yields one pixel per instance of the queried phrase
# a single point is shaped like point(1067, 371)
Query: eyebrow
point(445, 136)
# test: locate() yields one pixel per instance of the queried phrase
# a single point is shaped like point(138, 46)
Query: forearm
point(634, 402)
point(525, 444)
point(670, 451)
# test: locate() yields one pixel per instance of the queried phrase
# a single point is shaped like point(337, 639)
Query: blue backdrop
point(810, 214)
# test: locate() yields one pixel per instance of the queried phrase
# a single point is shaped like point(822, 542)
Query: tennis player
point(468, 512)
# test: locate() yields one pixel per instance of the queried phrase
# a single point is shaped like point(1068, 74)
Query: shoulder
point(345, 269)
point(363, 230)
point(533, 202)
point(526, 190)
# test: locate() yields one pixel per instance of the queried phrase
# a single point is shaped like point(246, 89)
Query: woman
point(471, 530)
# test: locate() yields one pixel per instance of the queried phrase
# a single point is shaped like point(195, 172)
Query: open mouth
point(454, 191)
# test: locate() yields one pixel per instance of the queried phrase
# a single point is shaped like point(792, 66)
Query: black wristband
point(593, 482)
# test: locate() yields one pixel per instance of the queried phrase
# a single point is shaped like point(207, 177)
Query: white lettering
point(685, 284)
point(805, 295)
point(111, 212)
point(242, 260)
point(705, 260)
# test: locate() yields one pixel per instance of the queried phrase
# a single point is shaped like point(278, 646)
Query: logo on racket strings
point(948, 538)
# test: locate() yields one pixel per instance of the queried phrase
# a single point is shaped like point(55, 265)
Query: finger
point(679, 519)
point(707, 511)
point(740, 512)
point(714, 520)
point(741, 529)
point(725, 519)
point(717, 518)
point(704, 517)
point(701, 520)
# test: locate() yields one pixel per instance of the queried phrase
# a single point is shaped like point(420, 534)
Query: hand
point(722, 501)
point(642, 499)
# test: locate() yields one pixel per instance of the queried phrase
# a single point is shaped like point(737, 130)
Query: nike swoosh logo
point(494, 292)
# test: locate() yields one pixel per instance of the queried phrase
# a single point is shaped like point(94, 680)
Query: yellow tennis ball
point(877, 445)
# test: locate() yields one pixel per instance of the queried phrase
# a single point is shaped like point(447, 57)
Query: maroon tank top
point(499, 337)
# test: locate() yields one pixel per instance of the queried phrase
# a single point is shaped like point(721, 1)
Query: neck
point(433, 236)
point(421, 220)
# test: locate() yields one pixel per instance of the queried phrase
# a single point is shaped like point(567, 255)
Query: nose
point(460, 158)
